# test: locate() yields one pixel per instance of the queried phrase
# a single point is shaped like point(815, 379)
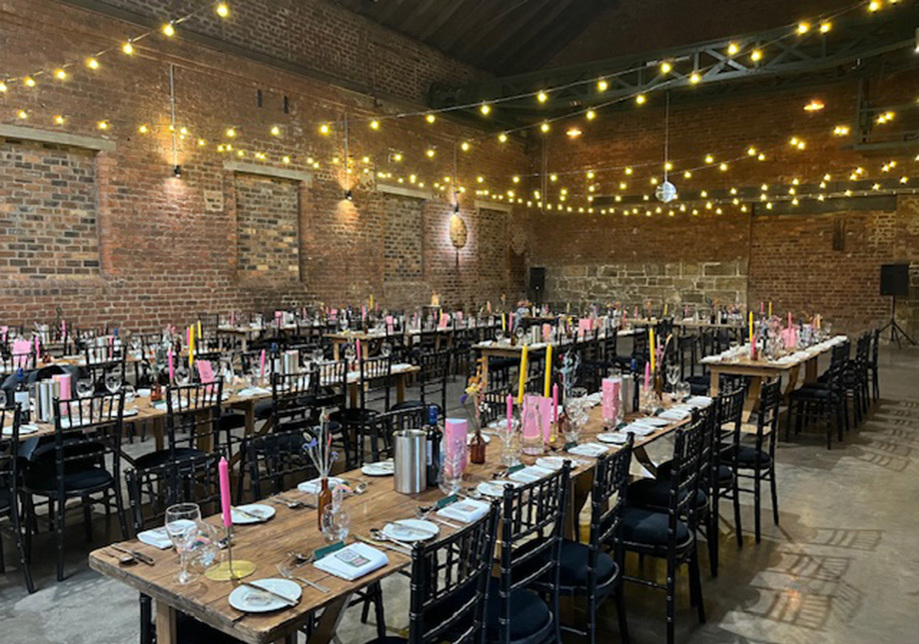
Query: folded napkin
point(314, 486)
point(353, 561)
point(699, 401)
point(710, 359)
point(158, 538)
point(467, 510)
point(638, 429)
point(589, 449)
point(402, 366)
point(675, 414)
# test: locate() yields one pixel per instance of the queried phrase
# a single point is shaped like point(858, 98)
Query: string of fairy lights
point(228, 139)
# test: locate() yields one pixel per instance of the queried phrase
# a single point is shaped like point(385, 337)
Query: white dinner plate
point(493, 488)
point(614, 438)
point(638, 429)
point(258, 511)
point(250, 600)
point(132, 411)
point(383, 468)
point(409, 530)
point(554, 463)
point(653, 421)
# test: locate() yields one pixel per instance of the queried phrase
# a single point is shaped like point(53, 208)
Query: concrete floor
point(842, 566)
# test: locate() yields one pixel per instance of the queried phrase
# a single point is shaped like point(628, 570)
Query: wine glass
point(317, 355)
point(385, 349)
point(672, 370)
point(84, 387)
point(113, 381)
point(336, 523)
point(182, 527)
point(350, 353)
point(451, 473)
point(183, 376)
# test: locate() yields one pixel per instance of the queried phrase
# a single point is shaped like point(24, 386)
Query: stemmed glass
point(336, 523)
point(113, 381)
point(385, 349)
point(672, 370)
point(350, 353)
point(317, 355)
point(451, 474)
point(510, 439)
point(84, 387)
point(183, 376)
point(182, 527)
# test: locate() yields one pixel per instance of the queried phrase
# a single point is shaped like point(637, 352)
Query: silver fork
point(289, 574)
point(430, 516)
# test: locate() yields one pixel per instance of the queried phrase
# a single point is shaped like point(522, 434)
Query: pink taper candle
point(555, 402)
point(647, 375)
point(172, 369)
point(261, 370)
point(223, 469)
point(510, 409)
point(357, 349)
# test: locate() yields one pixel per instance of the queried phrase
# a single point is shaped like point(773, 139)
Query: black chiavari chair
point(671, 534)
point(532, 524)
point(450, 578)
point(10, 486)
point(432, 381)
point(379, 430)
point(83, 460)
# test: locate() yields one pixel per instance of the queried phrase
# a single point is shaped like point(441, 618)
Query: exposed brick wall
point(48, 210)
point(164, 255)
point(267, 220)
point(403, 241)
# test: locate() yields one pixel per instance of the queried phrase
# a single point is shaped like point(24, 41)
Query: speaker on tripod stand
point(894, 284)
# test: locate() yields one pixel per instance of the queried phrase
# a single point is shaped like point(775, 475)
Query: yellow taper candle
point(191, 346)
point(523, 375)
point(651, 348)
point(547, 389)
point(503, 322)
point(751, 327)
point(200, 335)
point(770, 309)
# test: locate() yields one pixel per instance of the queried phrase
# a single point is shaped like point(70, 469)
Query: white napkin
point(699, 401)
point(467, 510)
point(589, 449)
point(313, 487)
point(674, 414)
point(158, 538)
point(353, 561)
point(248, 392)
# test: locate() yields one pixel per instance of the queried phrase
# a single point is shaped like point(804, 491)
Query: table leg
point(400, 387)
point(329, 620)
point(158, 433)
point(752, 401)
point(166, 624)
point(810, 370)
point(714, 384)
point(336, 353)
point(352, 394)
point(580, 490)
point(250, 418)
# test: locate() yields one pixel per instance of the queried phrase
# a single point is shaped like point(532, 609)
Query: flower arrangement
point(475, 392)
point(319, 448)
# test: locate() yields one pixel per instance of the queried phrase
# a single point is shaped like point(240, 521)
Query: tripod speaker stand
point(895, 283)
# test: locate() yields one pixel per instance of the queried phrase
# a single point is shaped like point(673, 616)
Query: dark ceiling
point(500, 36)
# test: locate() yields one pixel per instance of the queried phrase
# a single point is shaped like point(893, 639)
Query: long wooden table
point(761, 370)
point(268, 545)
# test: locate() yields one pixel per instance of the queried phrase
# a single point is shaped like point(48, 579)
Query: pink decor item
point(205, 371)
point(554, 402)
point(647, 375)
point(172, 369)
point(261, 369)
point(612, 396)
point(456, 432)
point(389, 324)
point(510, 410)
point(223, 469)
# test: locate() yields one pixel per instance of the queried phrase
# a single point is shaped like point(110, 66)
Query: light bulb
point(143, 129)
point(374, 125)
point(629, 171)
point(324, 129)
point(92, 63)
point(231, 132)
point(60, 74)
point(602, 85)
point(542, 97)
point(516, 179)
point(127, 48)
point(430, 153)
point(733, 49)
point(825, 27)
point(397, 157)
point(485, 109)
point(59, 120)
point(502, 138)
point(590, 115)
point(874, 5)
point(751, 151)
point(102, 125)
point(28, 81)
point(695, 78)
point(222, 9)
point(201, 143)
point(465, 146)
point(666, 67)
point(640, 99)
point(553, 178)
point(169, 30)
point(275, 131)
point(430, 118)
point(687, 174)
point(544, 127)
point(709, 159)
point(756, 55)
point(803, 27)
point(3, 87)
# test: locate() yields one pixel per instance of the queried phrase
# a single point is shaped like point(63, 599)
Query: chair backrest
point(9, 452)
point(196, 409)
point(86, 432)
point(152, 490)
point(382, 426)
point(875, 347)
point(729, 408)
point(333, 384)
point(277, 460)
point(435, 368)
point(640, 345)
point(688, 461)
point(453, 573)
point(532, 524)
point(294, 394)
point(607, 500)
point(767, 419)
point(98, 369)
point(375, 380)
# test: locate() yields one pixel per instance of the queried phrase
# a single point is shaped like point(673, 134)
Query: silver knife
point(141, 557)
point(381, 544)
point(284, 598)
point(413, 530)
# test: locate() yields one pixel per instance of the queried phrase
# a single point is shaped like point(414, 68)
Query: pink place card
point(205, 370)
point(444, 320)
point(546, 332)
point(21, 350)
point(583, 326)
point(612, 396)
point(389, 324)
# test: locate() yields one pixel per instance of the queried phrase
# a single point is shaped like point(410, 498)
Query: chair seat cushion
point(746, 457)
point(724, 471)
point(529, 615)
point(154, 459)
point(655, 493)
point(76, 481)
point(263, 409)
point(643, 526)
point(232, 421)
point(407, 404)
point(573, 560)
